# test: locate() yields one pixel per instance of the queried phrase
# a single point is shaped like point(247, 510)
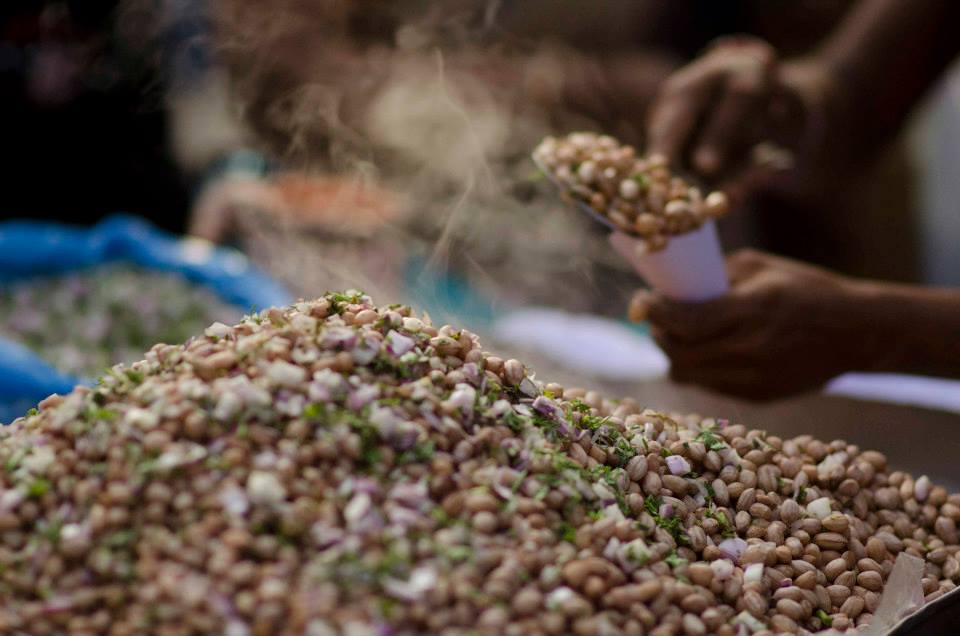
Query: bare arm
point(787, 327)
point(833, 107)
point(883, 58)
point(919, 328)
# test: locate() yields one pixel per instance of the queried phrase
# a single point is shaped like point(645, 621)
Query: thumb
point(639, 308)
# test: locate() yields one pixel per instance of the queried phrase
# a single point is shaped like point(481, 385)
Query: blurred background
point(384, 146)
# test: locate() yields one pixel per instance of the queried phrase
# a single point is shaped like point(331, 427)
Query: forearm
point(883, 57)
point(910, 329)
point(616, 89)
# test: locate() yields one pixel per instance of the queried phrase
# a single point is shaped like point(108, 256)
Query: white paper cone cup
point(691, 268)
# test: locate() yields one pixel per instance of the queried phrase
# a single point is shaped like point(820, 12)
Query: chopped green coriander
point(824, 618)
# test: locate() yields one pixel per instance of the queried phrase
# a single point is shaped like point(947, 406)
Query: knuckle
point(687, 79)
point(745, 86)
point(748, 256)
point(677, 84)
point(660, 337)
point(762, 49)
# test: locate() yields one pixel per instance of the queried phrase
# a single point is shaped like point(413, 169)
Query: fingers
point(676, 113)
point(745, 264)
point(686, 322)
point(728, 129)
point(737, 364)
point(692, 323)
point(715, 105)
point(736, 348)
point(739, 182)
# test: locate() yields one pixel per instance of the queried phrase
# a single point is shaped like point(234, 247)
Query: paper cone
point(691, 268)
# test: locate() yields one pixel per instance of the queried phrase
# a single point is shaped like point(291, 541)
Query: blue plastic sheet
point(29, 249)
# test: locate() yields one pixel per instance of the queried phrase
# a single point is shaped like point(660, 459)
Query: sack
point(29, 249)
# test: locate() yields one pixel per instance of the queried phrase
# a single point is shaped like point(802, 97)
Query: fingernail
point(639, 306)
point(707, 160)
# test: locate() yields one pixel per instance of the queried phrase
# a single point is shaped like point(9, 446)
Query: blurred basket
point(317, 234)
point(29, 249)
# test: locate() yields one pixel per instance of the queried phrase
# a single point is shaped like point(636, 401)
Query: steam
point(353, 88)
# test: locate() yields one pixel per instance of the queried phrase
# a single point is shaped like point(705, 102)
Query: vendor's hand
point(711, 115)
point(784, 328)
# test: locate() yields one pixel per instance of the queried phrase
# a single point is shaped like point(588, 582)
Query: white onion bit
point(820, 508)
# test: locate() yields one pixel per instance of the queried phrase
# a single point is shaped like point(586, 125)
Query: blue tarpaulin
point(29, 249)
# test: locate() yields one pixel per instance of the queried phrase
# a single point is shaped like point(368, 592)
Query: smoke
point(428, 100)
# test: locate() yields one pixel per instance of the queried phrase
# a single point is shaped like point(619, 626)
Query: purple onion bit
point(339, 337)
point(733, 548)
point(546, 406)
point(365, 351)
point(399, 344)
point(678, 465)
point(362, 396)
point(471, 372)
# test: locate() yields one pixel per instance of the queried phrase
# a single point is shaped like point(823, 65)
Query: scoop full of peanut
point(638, 195)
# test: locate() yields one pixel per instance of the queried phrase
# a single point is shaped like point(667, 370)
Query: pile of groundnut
point(639, 195)
point(341, 468)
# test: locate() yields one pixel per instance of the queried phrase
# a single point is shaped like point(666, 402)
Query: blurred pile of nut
point(85, 322)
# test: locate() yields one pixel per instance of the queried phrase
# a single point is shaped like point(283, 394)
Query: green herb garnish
point(710, 439)
point(674, 560)
point(567, 532)
point(824, 618)
point(726, 530)
point(39, 488)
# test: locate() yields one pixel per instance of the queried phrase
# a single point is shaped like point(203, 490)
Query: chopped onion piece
point(398, 344)
point(820, 508)
point(421, 581)
point(678, 465)
point(733, 548)
point(747, 620)
point(546, 406)
point(753, 573)
point(729, 456)
point(558, 597)
point(921, 490)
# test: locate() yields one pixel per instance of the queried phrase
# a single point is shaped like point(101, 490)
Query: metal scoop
point(583, 206)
